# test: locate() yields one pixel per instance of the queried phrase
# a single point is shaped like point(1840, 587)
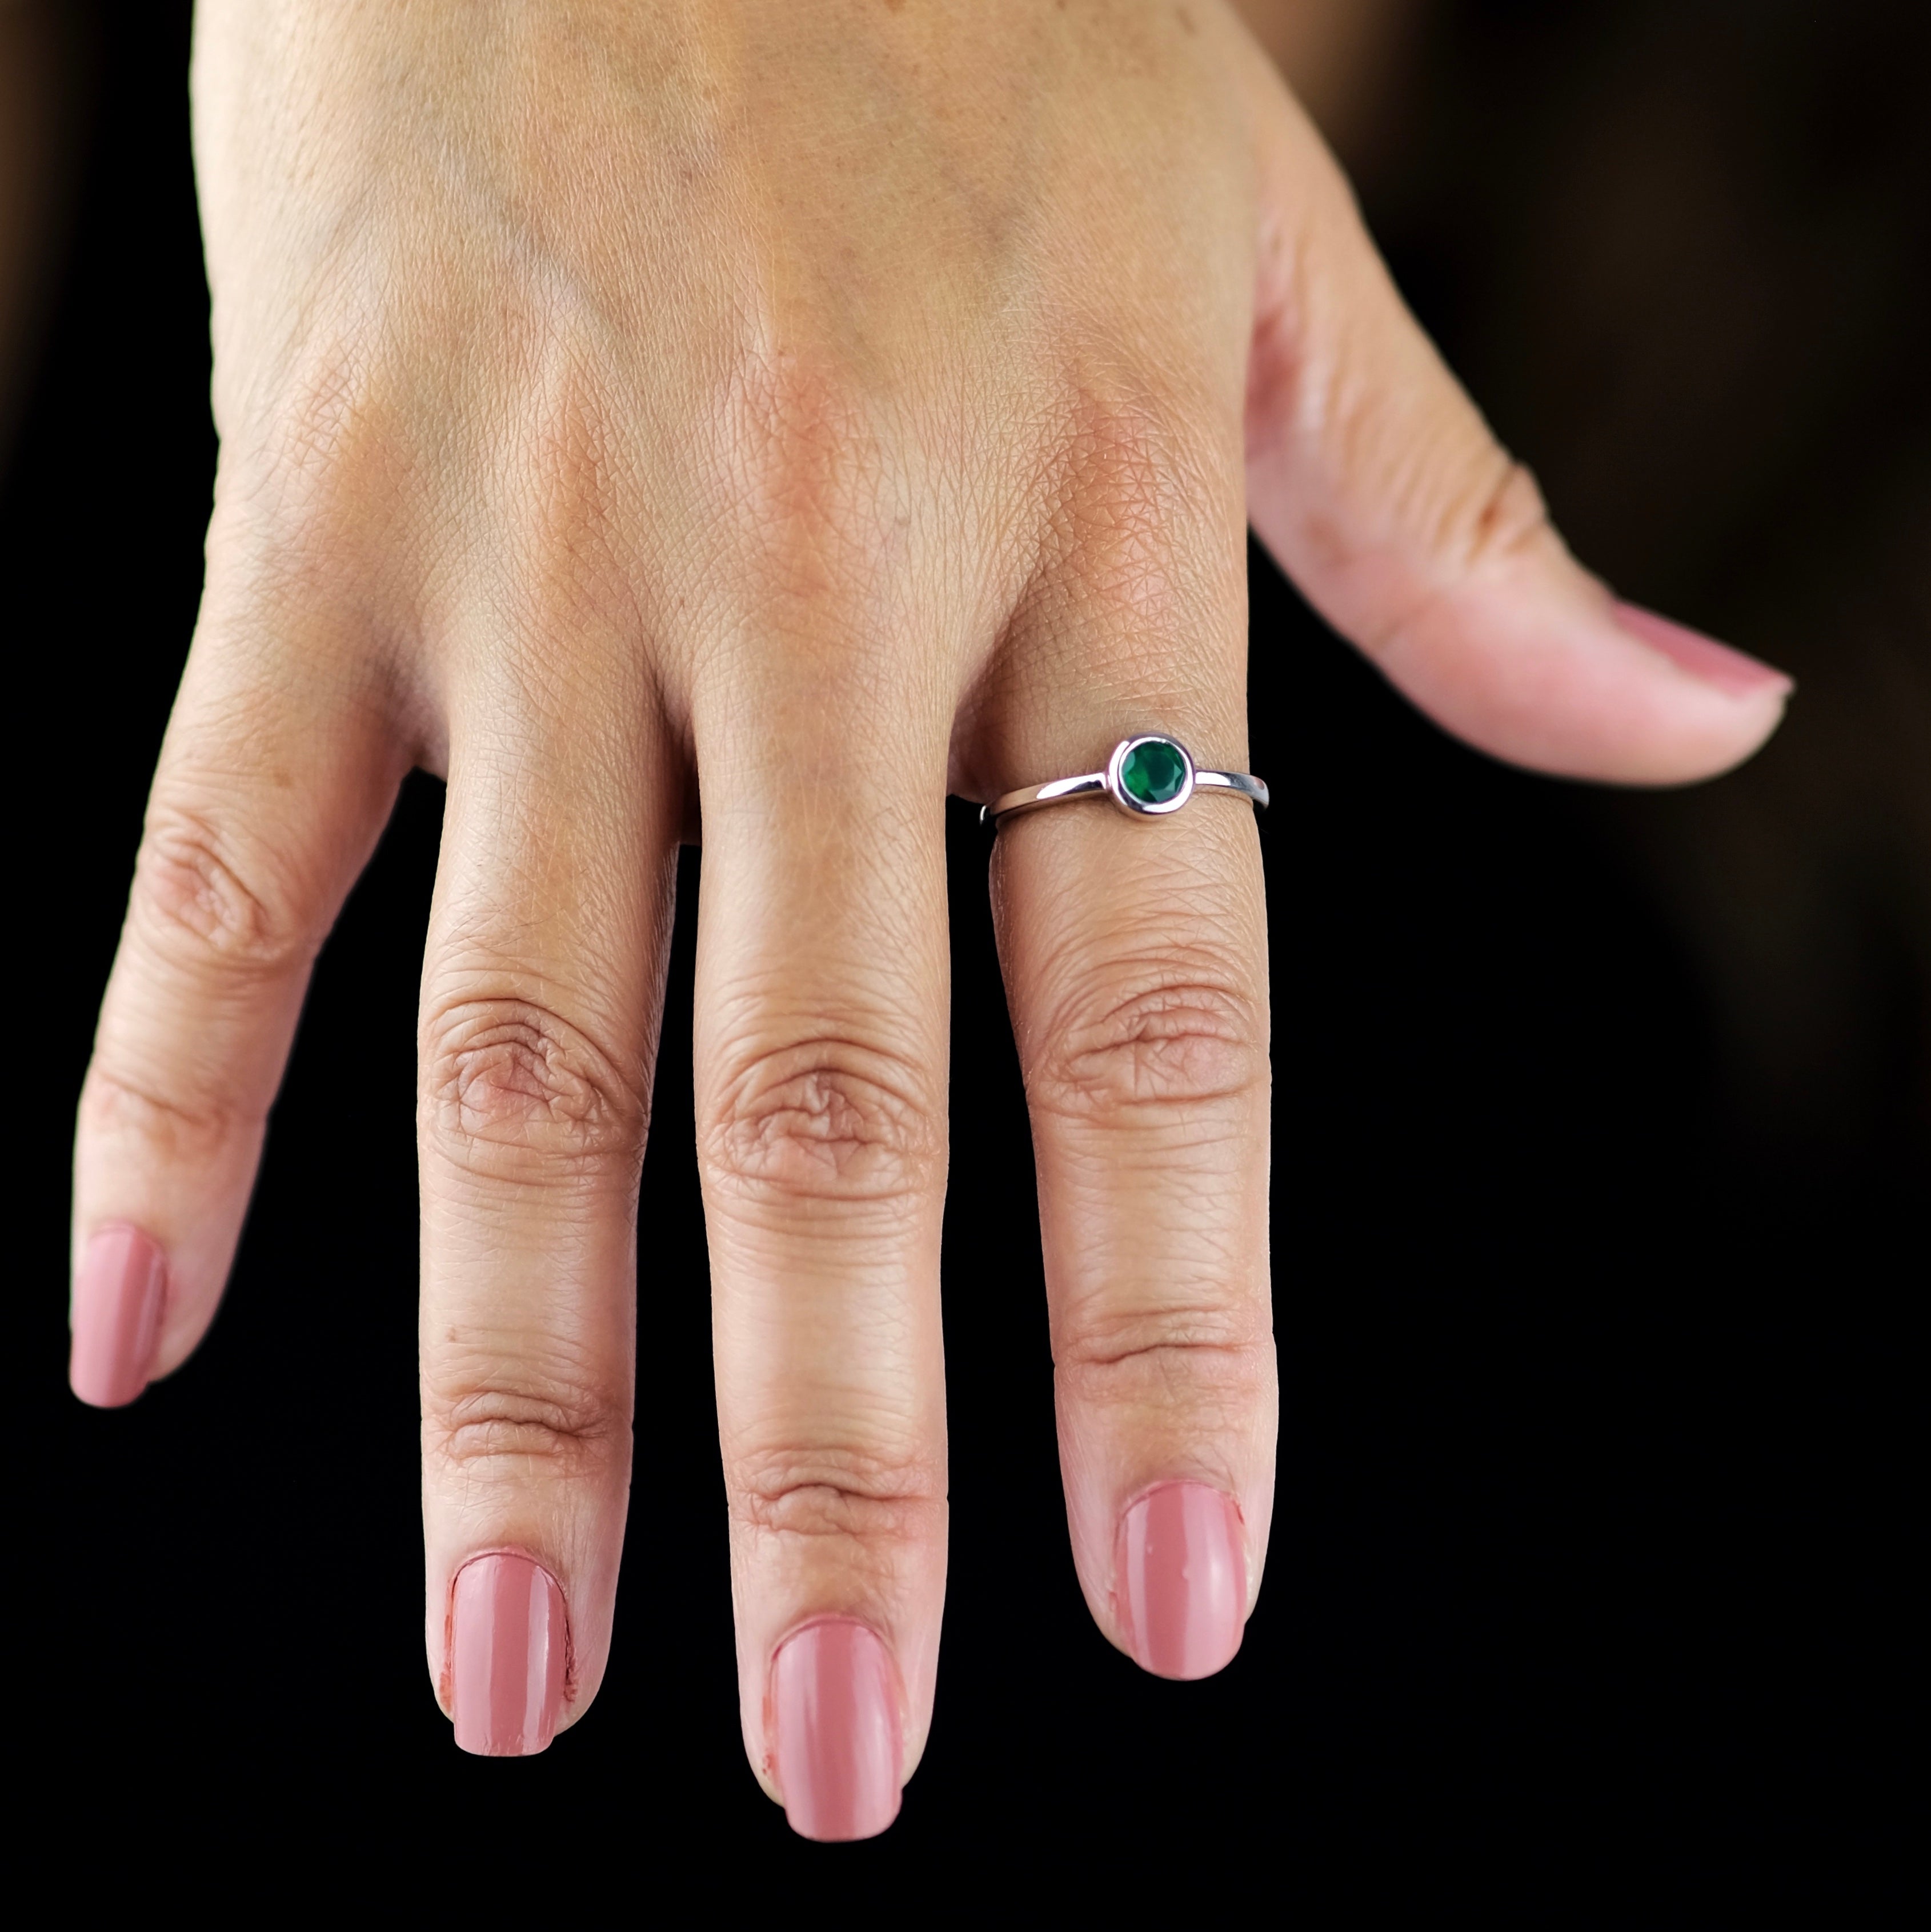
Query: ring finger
point(1134, 951)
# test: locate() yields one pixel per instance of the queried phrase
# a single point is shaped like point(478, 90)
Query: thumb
point(1378, 488)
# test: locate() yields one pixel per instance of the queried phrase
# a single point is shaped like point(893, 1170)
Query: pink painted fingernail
point(1181, 1577)
point(509, 1644)
point(1731, 671)
point(118, 1295)
point(836, 1736)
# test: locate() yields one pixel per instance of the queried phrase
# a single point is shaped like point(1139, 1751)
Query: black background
point(1589, 1563)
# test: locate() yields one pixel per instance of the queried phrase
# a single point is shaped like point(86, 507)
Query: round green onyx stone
point(1152, 773)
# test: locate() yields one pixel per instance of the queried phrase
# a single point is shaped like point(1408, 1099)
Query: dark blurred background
point(1603, 1120)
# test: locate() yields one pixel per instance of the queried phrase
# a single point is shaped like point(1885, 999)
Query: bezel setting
point(1116, 784)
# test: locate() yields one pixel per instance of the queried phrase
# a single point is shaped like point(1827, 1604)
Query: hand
point(767, 419)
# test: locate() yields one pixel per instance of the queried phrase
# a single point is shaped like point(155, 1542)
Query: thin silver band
point(1110, 785)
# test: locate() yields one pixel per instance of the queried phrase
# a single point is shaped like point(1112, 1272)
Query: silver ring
point(1147, 777)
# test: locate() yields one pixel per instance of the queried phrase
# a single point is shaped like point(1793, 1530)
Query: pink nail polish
point(509, 1643)
point(836, 1735)
point(1730, 670)
point(1181, 1579)
point(118, 1295)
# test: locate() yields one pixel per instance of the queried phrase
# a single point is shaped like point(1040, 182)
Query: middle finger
point(820, 1034)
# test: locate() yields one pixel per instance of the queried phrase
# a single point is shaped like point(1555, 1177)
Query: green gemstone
point(1152, 773)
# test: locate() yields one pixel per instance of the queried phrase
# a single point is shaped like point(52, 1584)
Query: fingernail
point(1730, 670)
point(118, 1295)
point(1182, 1579)
point(509, 1643)
point(835, 1732)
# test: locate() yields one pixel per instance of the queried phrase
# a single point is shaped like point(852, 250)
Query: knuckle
point(321, 431)
point(309, 473)
point(804, 475)
point(826, 1119)
point(202, 899)
point(1183, 1040)
point(832, 1494)
point(802, 437)
point(1216, 1361)
point(511, 1090)
point(578, 494)
point(174, 1130)
point(1484, 515)
point(538, 1418)
point(1502, 516)
point(1132, 482)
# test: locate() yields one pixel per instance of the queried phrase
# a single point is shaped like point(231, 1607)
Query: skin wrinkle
point(867, 1442)
point(475, 969)
point(858, 1442)
point(1217, 1386)
point(1095, 998)
point(556, 1391)
point(1207, 951)
point(509, 1449)
point(1505, 526)
point(513, 1091)
point(186, 883)
point(117, 1102)
point(869, 1529)
point(1212, 1321)
point(1124, 1074)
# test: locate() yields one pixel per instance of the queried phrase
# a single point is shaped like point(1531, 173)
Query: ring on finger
point(1148, 776)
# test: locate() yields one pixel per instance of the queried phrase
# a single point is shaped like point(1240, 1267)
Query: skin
point(753, 422)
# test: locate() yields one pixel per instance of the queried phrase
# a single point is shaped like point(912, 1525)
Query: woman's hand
point(771, 418)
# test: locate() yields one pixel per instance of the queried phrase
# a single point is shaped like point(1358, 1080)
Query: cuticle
point(1140, 1496)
